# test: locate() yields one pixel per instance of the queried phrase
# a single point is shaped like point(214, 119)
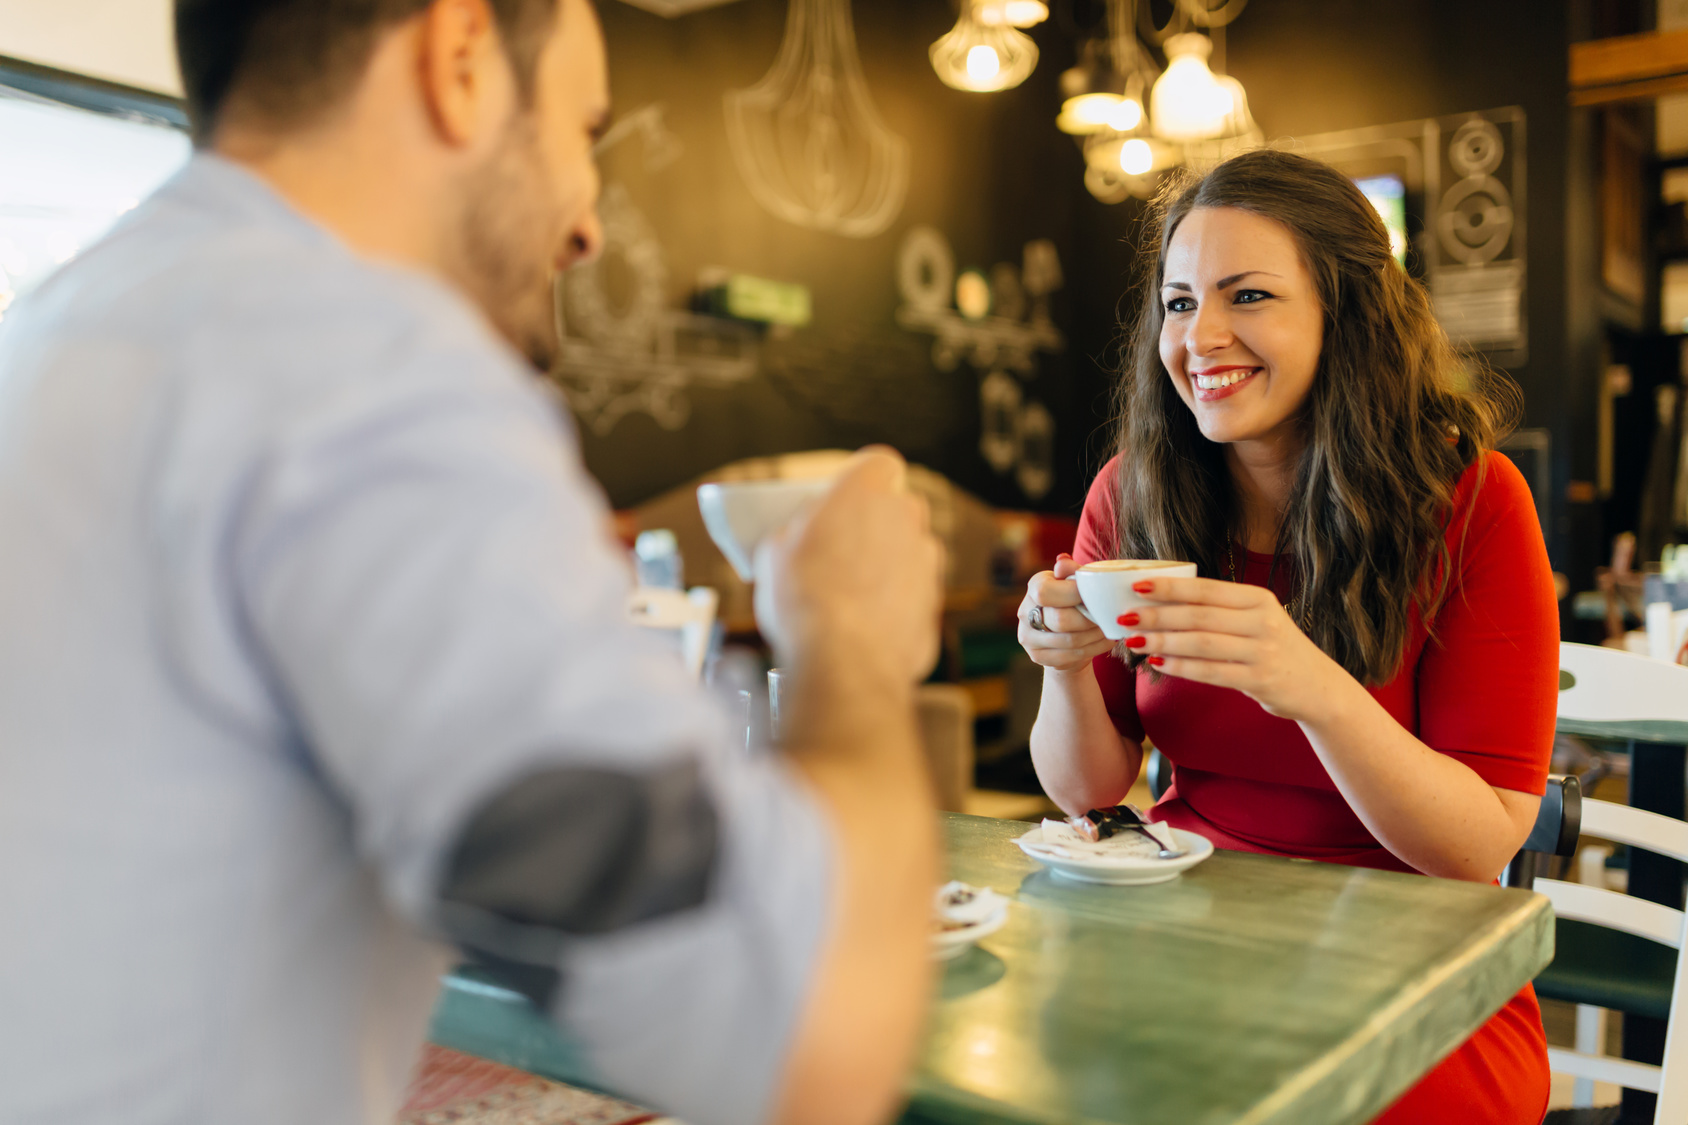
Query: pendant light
point(1014, 13)
point(1191, 103)
point(1096, 100)
point(981, 58)
point(1194, 117)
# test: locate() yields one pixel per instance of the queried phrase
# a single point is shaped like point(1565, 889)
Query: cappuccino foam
point(1127, 564)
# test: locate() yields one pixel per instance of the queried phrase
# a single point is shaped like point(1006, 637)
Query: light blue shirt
point(298, 567)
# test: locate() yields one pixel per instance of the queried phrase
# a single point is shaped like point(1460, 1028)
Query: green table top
point(1250, 989)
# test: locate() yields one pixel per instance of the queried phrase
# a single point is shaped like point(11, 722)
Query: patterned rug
point(452, 1088)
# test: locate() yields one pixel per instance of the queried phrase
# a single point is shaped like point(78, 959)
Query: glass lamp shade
point(981, 58)
point(1014, 13)
point(1097, 112)
point(1116, 167)
point(1132, 156)
point(1191, 103)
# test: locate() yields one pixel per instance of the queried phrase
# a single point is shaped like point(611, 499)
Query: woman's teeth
point(1214, 382)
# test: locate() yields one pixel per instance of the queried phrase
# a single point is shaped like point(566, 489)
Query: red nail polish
point(1157, 661)
point(1128, 619)
point(1143, 587)
point(1064, 555)
point(1136, 642)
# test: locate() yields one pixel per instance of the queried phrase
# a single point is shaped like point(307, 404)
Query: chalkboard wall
point(990, 172)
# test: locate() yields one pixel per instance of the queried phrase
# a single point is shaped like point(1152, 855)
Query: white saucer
point(1118, 870)
point(950, 944)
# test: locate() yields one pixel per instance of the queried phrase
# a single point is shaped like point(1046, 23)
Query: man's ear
point(464, 74)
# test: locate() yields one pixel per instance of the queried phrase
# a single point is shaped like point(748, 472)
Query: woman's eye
point(1180, 304)
point(1252, 296)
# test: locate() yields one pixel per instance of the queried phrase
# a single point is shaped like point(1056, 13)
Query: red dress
point(1484, 692)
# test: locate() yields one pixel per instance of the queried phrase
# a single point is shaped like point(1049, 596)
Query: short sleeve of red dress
point(1488, 677)
point(1095, 541)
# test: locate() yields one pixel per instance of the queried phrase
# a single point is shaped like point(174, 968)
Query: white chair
point(689, 613)
point(1608, 693)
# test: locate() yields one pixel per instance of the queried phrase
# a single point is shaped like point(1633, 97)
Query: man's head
point(453, 134)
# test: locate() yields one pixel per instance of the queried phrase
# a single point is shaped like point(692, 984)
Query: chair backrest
point(1651, 920)
point(1159, 771)
point(1558, 822)
point(690, 613)
point(945, 712)
point(1609, 693)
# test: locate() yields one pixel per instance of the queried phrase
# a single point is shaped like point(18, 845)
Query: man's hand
point(859, 573)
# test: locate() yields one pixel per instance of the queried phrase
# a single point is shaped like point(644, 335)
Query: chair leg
point(1591, 1040)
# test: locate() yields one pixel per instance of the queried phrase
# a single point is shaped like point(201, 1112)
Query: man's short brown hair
point(286, 63)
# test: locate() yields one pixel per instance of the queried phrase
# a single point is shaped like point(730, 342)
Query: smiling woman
point(1365, 671)
point(1274, 267)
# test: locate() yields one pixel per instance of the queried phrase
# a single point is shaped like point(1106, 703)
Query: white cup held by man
point(740, 514)
point(1105, 587)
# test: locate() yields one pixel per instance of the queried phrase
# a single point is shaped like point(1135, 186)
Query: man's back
point(298, 572)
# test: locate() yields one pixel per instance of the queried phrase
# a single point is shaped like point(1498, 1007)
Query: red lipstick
point(1217, 393)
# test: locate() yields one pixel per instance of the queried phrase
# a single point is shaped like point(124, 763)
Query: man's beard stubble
point(502, 246)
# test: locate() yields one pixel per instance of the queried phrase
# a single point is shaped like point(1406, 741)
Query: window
point(78, 154)
point(1388, 197)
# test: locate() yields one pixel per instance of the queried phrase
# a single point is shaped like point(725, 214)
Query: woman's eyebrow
point(1227, 282)
point(1224, 283)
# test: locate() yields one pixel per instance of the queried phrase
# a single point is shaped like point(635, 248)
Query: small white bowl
point(950, 944)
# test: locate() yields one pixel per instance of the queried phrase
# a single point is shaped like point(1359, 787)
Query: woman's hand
point(1237, 636)
point(1069, 641)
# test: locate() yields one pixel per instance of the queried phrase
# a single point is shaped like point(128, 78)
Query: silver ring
point(1035, 619)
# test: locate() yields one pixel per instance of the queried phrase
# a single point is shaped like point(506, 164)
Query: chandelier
point(1135, 120)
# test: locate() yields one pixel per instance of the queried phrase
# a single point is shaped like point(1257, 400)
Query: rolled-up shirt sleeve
point(426, 569)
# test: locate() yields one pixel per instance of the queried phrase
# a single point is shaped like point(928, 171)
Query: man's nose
point(586, 240)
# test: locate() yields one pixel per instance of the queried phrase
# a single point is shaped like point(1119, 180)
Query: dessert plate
point(1128, 859)
point(963, 915)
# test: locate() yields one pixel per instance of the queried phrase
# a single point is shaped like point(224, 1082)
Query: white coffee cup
point(1105, 587)
point(740, 514)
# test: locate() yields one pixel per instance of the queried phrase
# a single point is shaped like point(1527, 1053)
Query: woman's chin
point(1227, 427)
point(1225, 431)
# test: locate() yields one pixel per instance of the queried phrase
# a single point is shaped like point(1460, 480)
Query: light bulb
point(1126, 116)
point(980, 58)
point(1136, 157)
point(1188, 103)
point(982, 63)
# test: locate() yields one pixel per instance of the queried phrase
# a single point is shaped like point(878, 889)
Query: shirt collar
point(214, 184)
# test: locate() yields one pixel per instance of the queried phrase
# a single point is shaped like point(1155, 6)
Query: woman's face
point(1243, 326)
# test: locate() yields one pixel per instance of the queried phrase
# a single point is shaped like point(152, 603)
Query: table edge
point(1284, 1106)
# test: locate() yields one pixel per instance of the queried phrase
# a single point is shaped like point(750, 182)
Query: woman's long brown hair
point(1394, 417)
